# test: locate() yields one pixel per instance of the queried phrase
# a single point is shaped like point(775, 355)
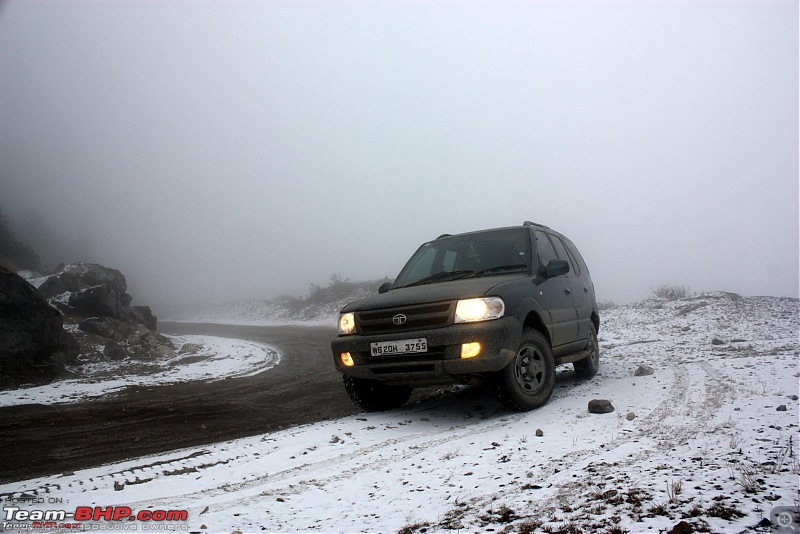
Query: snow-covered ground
point(215, 358)
point(710, 438)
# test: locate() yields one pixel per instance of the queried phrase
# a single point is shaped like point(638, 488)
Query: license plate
point(401, 346)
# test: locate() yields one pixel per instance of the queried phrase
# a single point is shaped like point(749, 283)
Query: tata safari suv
point(500, 307)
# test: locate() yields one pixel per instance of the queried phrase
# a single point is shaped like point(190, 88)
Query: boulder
point(33, 343)
point(106, 327)
point(600, 406)
point(113, 351)
point(101, 300)
point(144, 315)
point(77, 276)
point(51, 287)
point(96, 290)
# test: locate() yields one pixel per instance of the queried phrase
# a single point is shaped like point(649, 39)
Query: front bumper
point(442, 364)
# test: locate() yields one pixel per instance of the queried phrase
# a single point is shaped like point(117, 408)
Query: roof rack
point(444, 235)
point(529, 223)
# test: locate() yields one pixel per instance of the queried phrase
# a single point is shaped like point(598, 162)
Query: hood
point(439, 291)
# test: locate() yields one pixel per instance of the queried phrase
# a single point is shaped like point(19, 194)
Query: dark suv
point(501, 307)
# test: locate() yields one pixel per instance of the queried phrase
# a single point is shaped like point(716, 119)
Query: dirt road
point(40, 440)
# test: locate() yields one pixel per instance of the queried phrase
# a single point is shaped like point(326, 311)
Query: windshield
point(463, 256)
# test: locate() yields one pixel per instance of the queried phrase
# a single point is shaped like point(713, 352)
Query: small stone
point(539, 433)
point(280, 499)
point(717, 341)
point(631, 416)
point(781, 408)
point(600, 406)
point(794, 397)
point(643, 370)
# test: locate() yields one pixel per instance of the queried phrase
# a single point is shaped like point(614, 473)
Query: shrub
point(670, 291)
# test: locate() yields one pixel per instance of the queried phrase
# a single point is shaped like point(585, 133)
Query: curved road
point(38, 440)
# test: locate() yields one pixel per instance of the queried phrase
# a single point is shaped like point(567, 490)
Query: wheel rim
point(530, 369)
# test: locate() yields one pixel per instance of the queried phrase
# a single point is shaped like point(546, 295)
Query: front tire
point(528, 381)
point(375, 396)
point(588, 366)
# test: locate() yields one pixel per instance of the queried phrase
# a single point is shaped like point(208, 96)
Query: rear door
point(555, 295)
point(580, 293)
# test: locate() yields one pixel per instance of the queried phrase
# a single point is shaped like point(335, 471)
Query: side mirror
point(556, 268)
point(386, 286)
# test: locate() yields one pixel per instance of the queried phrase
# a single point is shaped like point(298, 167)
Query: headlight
point(347, 323)
point(484, 309)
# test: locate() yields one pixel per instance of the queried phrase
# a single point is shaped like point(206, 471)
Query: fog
point(243, 149)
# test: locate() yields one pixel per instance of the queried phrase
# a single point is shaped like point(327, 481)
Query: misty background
point(244, 149)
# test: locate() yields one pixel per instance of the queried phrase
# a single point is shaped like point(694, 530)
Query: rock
point(144, 315)
point(717, 341)
point(106, 327)
point(51, 287)
point(682, 528)
point(77, 276)
point(134, 339)
point(643, 370)
point(33, 342)
point(631, 416)
point(101, 300)
point(165, 352)
point(600, 406)
point(190, 348)
point(96, 290)
point(113, 351)
point(539, 433)
point(794, 397)
point(781, 408)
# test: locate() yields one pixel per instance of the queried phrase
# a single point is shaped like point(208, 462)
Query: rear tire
point(588, 366)
point(375, 396)
point(528, 381)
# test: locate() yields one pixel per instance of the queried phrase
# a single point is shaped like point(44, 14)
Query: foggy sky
point(244, 149)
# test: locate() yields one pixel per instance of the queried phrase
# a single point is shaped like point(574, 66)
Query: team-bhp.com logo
point(19, 518)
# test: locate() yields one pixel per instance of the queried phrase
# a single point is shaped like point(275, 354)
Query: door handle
point(567, 291)
point(585, 289)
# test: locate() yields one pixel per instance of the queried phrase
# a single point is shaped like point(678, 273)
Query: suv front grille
point(418, 317)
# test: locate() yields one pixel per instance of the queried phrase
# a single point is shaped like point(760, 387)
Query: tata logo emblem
point(399, 319)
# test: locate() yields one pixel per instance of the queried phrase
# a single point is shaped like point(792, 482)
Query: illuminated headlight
point(347, 323)
point(484, 309)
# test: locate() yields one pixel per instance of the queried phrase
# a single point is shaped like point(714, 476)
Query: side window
point(564, 255)
point(578, 259)
point(544, 249)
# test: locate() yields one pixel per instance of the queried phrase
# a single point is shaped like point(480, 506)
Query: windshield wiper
point(440, 277)
point(502, 269)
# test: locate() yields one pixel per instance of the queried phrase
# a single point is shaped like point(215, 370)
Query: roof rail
point(444, 235)
point(529, 223)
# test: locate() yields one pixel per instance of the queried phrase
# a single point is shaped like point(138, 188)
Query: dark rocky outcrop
point(34, 347)
point(92, 300)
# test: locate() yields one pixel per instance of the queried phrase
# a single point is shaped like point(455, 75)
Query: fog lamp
point(470, 350)
point(347, 359)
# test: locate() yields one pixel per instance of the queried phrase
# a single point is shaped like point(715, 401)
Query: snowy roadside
point(710, 438)
point(212, 358)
